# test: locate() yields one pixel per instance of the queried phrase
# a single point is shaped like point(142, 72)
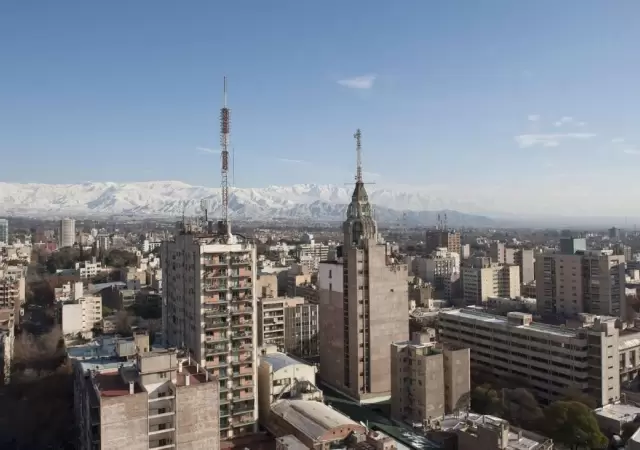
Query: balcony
point(215, 312)
point(155, 412)
point(241, 323)
point(242, 408)
point(215, 324)
point(216, 363)
point(240, 310)
point(214, 262)
point(216, 350)
point(218, 337)
point(240, 261)
point(241, 287)
point(241, 335)
point(214, 287)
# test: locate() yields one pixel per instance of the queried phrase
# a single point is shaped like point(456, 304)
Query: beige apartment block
point(550, 360)
point(363, 308)
point(271, 320)
point(479, 283)
point(81, 315)
point(161, 402)
point(209, 310)
point(267, 285)
point(442, 239)
point(588, 281)
point(301, 330)
point(428, 380)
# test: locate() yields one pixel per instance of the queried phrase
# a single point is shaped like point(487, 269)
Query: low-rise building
point(280, 376)
point(7, 339)
point(81, 315)
point(159, 402)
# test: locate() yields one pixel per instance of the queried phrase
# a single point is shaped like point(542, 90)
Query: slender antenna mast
point(358, 137)
point(224, 144)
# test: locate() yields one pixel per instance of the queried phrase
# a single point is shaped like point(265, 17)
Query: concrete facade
point(587, 281)
point(161, 402)
point(442, 238)
point(492, 280)
point(67, 233)
point(209, 308)
point(550, 360)
point(372, 313)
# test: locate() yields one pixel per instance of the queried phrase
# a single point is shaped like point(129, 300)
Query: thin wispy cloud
point(631, 151)
point(617, 140)
point(568, 120)
point(550, 139)
point(211, 151)
point(533, 117)
point(292, 161)
point(359, 82)
point(371, 175)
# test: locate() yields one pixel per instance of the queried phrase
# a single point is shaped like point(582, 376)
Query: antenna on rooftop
point(224, 156)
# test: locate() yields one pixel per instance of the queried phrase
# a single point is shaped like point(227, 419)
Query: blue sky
point(467, 93)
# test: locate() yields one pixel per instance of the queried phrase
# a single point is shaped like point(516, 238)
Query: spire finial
point(358, 137)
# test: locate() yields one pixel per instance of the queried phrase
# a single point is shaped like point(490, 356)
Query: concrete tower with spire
point(364, 306)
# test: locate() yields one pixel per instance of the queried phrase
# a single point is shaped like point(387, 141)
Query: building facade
point(582, 282)
point(479, 283)
point(548, 360)
point(301, 323)
point(271, 320)
point(448, 239)
point(4, 231)
point(358, 328)
point(159, 403)
point(209, 309)
point(67, 234)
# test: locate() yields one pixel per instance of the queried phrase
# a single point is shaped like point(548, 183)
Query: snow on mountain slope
point(171, 198)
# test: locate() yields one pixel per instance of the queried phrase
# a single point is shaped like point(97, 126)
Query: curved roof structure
point(314, 419)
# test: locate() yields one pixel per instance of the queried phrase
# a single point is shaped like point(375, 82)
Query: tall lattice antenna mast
point(358, 137)
point(224, 155)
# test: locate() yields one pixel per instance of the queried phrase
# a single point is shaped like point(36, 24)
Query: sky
point(503, 100)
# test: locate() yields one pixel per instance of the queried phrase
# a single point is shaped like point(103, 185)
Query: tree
point(463, 403)
point(579, 396)
point(120, 258)
point(65, 258)
point(573, 424)
point(521, 408)
point(124, 323)
point(486, 400)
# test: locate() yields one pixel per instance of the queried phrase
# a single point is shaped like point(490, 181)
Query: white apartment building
point(67, 235)
point(209, 309)
point(490, 280)
point(81, 315)
point(551, 360)
point(88, 269)
point(438, 266)
point(591, 281)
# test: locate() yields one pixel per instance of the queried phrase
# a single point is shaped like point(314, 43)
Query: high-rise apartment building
point(363, 306)
point(448, 239)
point(521, 257)
point(209, 306)
point(587, 281)
point(271, 320)
point(490, 280)
point(4, 231)
point(67, 233)
point(437, 267)
point(160, 402)
point(301, 324)
point(428, 380)
point(551, 360)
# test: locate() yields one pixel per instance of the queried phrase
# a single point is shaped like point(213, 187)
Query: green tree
point(65, 258)
point(573, 424)
point(486, 400)
point(120, 258)
point(581, 397)
point(521, 408)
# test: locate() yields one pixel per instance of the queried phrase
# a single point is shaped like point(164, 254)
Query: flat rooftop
point(191, 372)
point(621, 413)
point(111, 384)
point(481, 316)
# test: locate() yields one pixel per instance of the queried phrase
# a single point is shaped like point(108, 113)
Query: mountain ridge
point(410, 204)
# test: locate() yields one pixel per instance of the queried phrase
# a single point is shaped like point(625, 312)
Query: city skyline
point(513, 103)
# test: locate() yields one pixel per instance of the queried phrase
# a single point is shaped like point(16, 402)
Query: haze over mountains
point(304, 202)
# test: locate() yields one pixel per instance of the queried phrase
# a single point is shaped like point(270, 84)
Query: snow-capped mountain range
point(173, 198)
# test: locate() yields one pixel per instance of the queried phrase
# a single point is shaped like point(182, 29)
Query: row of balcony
point(234, 261)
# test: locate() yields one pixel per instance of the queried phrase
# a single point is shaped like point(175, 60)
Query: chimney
point(131, 388)
point(187, 380)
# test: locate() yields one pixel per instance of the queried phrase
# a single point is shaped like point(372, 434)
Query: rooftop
point(481, 316)
point(279, 360)
point(312, 418)
point(195, 376)
point(619, 412)
point(111, 384)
